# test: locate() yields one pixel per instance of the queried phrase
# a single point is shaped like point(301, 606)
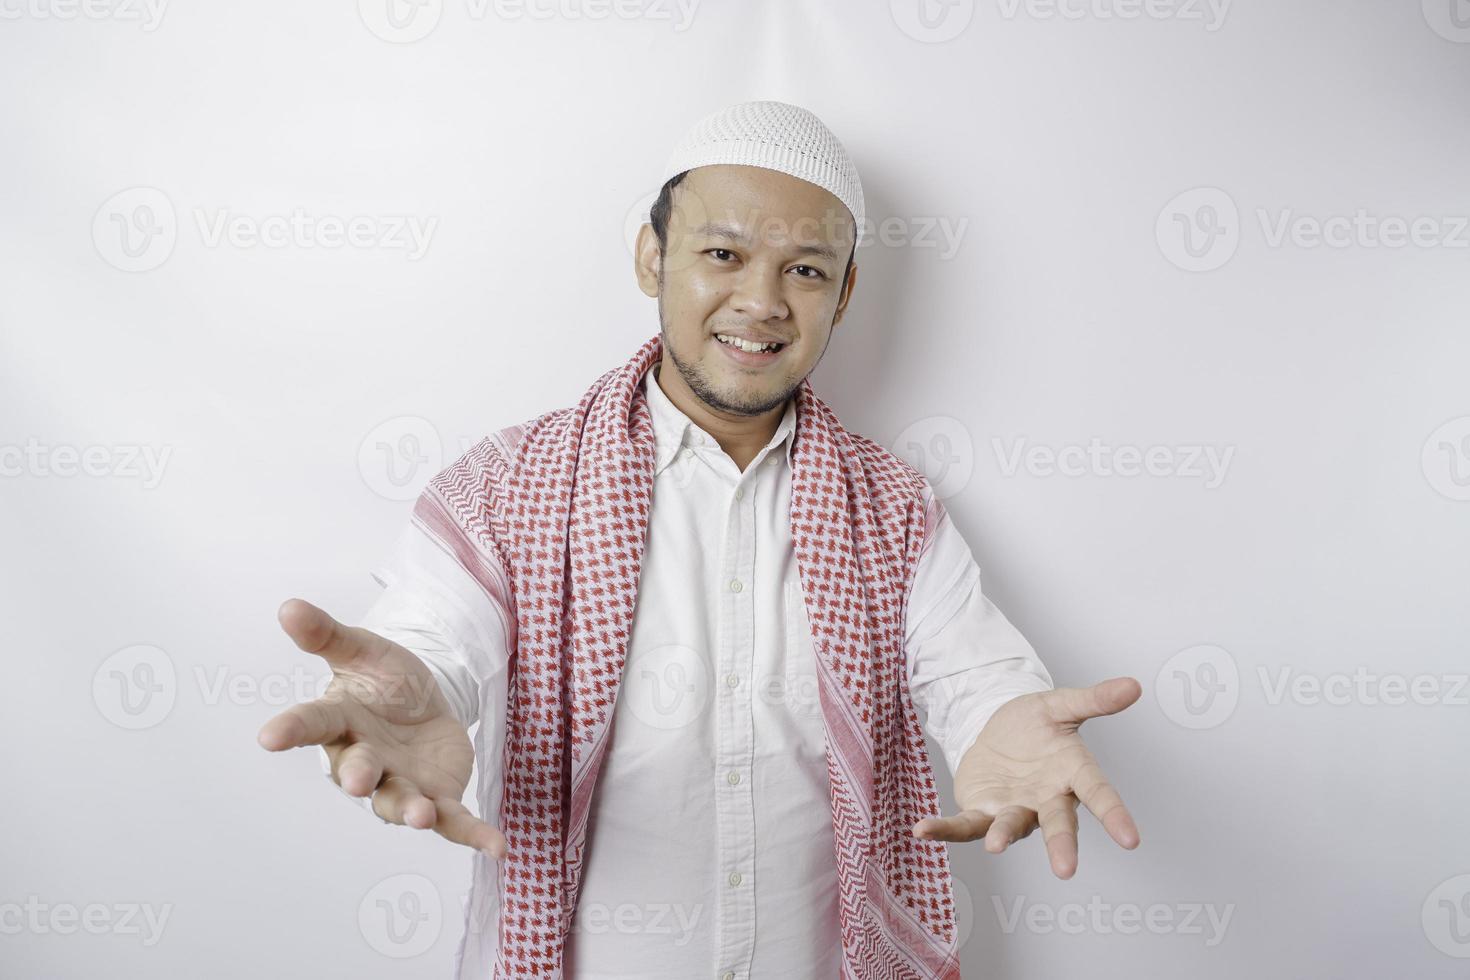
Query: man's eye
point(715, 250)
point(819, 272)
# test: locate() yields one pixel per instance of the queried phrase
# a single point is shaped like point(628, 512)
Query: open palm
point(386, 727)
point(1030, 768)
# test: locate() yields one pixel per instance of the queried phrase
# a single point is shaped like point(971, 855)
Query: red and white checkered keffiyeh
point(561, 504)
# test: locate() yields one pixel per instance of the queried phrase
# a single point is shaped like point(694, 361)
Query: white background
point(1095, 290)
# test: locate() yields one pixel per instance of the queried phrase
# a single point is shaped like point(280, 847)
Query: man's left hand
point(1029, 768)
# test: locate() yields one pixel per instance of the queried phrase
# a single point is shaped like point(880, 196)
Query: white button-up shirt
point(709, 843)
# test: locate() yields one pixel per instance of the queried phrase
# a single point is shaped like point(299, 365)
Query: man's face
point(752, 253)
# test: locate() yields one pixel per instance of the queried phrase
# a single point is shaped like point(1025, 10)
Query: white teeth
point(744, 345)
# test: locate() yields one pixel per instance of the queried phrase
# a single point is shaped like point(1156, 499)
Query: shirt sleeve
point(434, 608)
point(965, 659)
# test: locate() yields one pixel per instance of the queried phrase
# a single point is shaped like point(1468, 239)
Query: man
point(695, 620)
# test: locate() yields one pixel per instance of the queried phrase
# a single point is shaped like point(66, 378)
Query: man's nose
point(759, 294)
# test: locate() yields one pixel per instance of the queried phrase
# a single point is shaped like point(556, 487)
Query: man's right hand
point(387, 728)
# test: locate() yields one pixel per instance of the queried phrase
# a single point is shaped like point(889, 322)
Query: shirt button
point(739, 492)
point(733, 778)
point(732, 679)
point(735, 877)
point(727, 975)
point(772, 459)
point(735, 585)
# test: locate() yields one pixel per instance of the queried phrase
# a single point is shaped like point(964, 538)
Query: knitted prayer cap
point(777, 136)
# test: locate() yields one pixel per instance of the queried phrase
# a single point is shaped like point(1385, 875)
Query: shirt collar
point(673, 430)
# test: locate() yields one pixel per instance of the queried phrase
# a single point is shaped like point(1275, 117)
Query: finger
point(1099, 796)
point(358, 769)
point(458, 824)
point(1011, 824)
point(1058, 819)
point(1075, 705)
point(399, 801)
point(966, 825)
point(310, 723)
point(313, 630)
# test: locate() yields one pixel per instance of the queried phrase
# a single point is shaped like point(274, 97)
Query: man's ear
point(846, 294)
point(648, 260)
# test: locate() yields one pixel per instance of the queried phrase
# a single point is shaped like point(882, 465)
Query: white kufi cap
point(777, 136)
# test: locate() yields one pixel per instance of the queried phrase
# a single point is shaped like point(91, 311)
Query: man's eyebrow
point(715, 230)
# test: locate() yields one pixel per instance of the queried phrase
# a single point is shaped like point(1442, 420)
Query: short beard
point(705, 392)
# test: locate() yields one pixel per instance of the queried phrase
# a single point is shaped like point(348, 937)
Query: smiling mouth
point(746, 347)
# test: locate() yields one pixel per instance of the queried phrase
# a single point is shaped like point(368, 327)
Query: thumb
point(1075, 705)
point(313, 630)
